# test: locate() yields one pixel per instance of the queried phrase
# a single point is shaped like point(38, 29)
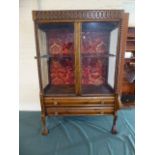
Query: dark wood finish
point(72, 101)
point(120, 52)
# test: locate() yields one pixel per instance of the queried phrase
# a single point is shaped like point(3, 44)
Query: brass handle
point(55, 102)
point(102, 102)
point(56, 113)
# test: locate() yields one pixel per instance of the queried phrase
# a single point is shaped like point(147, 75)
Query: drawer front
point(79, 110)
point(79, 101)
point(79, 106)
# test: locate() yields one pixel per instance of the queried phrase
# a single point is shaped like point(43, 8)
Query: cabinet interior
point(95, 59)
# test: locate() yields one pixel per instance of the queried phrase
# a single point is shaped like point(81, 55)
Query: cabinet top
point(77, 15)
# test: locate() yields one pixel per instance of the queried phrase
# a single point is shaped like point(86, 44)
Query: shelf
point(132, 58)
point(129, 59)
point(69, 90)
point(97, 55)
point(130, 48)
point(131, 35)
point(131, 32)
point(131, 40)
point(56, 56)
point(91, 89)
point(85, 55)
point(62, 57)
point(60, 90)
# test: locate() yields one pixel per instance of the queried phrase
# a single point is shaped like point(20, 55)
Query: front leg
point(44, 127)
point(114, 126)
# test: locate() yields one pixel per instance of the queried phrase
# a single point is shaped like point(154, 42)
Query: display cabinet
point(80, 61)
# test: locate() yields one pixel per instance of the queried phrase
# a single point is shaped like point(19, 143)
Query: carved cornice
point(77, 15)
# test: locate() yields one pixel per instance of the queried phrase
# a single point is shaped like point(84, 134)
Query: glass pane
point(112, 60)
point(98, 57)
point(59, 57)
point(44, 62)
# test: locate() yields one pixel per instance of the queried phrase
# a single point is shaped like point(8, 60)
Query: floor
point(77, 135)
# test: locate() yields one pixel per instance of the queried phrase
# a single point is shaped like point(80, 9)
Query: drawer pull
point(102, 102)
point(56, 113)
point(55, 102)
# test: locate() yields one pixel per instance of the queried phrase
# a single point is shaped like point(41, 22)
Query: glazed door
point(98, 53)
point(57, 58)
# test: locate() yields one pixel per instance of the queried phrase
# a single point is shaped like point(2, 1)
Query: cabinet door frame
point(77, 31)
point(121, 51)
point(38, 55)
point(122, 34)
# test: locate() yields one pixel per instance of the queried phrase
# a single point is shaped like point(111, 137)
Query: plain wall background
point(29, 84)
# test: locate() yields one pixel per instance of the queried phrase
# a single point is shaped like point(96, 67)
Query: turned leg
point(44, 127)
point(114, 126)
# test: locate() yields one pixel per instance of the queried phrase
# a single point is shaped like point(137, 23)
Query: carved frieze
point(77, 14)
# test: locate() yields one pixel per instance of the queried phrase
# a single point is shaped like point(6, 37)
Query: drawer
point(79, 110)
point(82, 101)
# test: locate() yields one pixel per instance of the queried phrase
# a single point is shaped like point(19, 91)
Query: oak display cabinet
point(80, 61)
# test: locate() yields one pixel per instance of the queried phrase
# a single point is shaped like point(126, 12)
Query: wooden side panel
point(122, 45)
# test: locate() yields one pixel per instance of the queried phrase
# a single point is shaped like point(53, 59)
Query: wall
point(29, 88)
